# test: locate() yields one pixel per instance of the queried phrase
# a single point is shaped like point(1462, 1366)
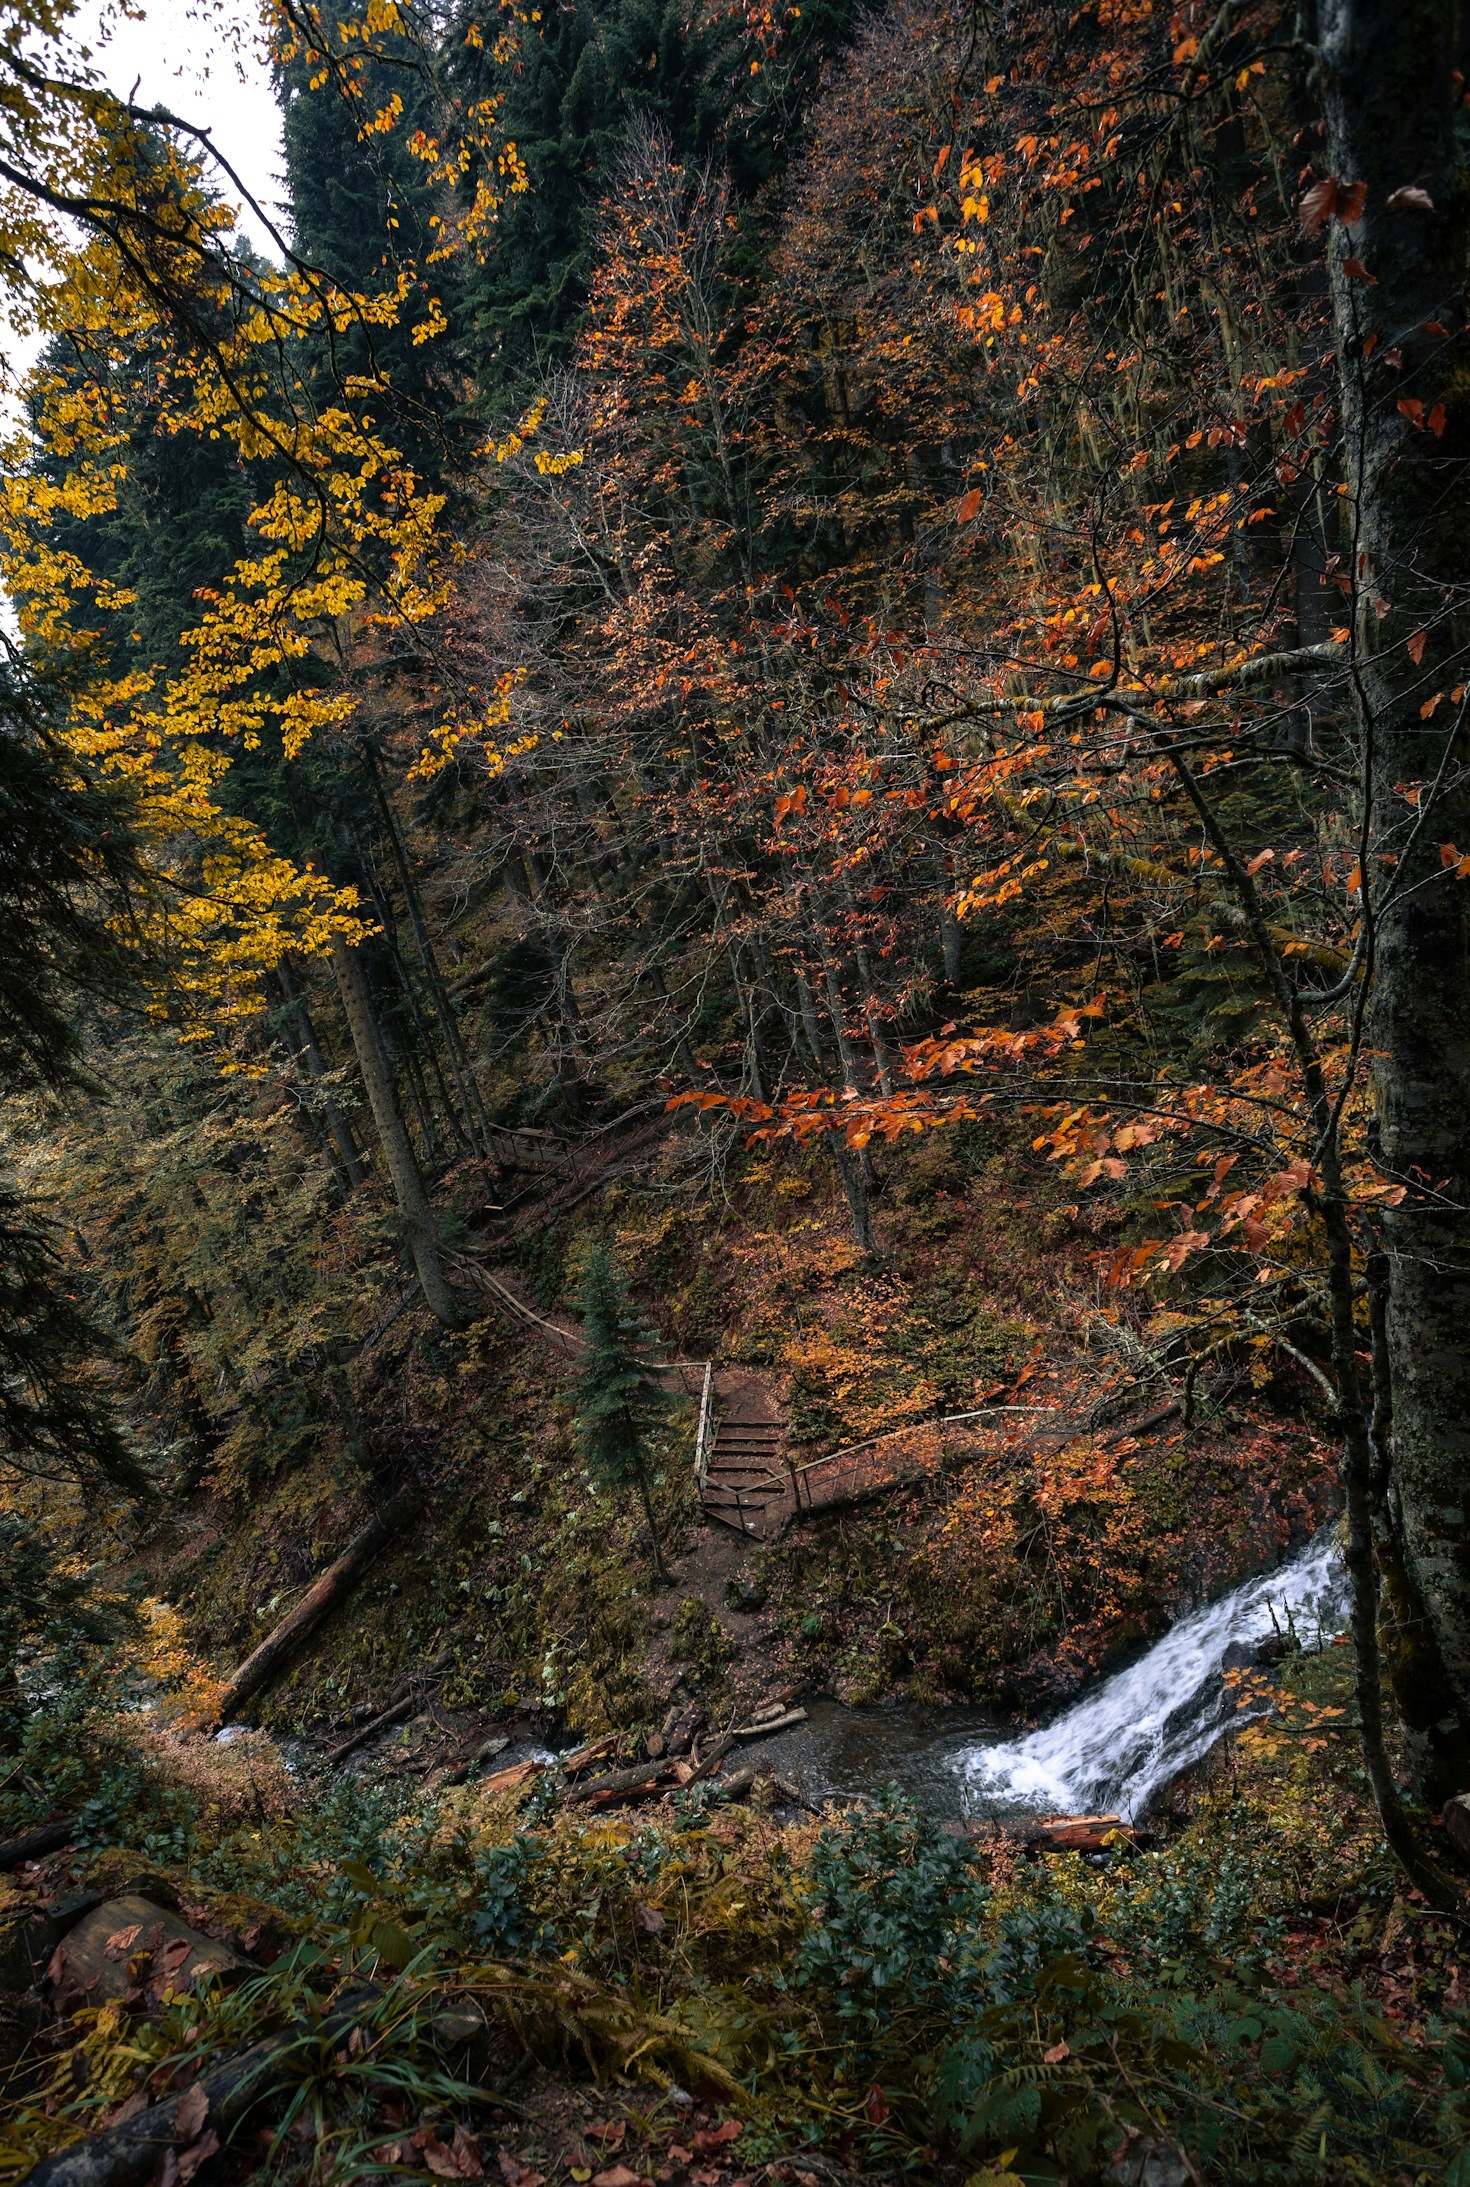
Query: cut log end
point(1078, 1833)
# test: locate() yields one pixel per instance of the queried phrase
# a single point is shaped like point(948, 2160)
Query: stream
point(1112, 1752)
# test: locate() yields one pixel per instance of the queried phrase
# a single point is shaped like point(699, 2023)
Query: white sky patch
point(205, 61)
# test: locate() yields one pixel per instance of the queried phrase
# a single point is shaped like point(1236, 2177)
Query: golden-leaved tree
point(346, 541)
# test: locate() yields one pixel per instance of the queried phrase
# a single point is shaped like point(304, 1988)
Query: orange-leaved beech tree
point(1185, 701)
point(695, 537)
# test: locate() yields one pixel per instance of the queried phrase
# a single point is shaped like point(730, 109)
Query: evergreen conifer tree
point(362, 211)
point(617, 1390)
point(66, 859)
point(579, 77)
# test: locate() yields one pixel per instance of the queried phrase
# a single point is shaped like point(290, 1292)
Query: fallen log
point(128, 2155)
point(382, 1722)
point(620, 1783)
point(35, 1844)
point(705, 1765)
point(506, 1780)
point(783, 1722)
point(205, 2113)
point(1077, 1833)
point(742, 1782)
point(466, 1766)
point(597, 1750)
point(680, 1727)
point(276, 1650)
point(631, 1795)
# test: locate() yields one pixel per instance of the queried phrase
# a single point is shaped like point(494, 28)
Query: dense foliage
point(798, 674)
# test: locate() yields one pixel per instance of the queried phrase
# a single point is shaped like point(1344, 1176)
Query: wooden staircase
point(747, 1484)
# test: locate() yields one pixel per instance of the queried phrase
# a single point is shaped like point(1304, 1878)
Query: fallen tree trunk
point(621, 1783)
point(509, 1780)
point(737, 1784)
point(706, 1764)
point(1078, 1833)
point(210, 2108)
point(783, 1722)
point(572, 1765)
point(278, 1647)
point(382, 1722)
point(128, 2155)
point(48, 1839)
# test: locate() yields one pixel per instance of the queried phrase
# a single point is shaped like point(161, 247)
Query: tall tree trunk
point(403, 1169)
point(476, 1119)
point(951, 942)
point(421, 1046)
point(1391, 97)
point(753, 1076)
point(848, 1164)
point(884, 1057)
point(338, 1129)
point(645, 1493)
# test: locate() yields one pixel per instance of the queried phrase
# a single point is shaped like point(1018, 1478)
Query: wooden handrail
point(947, 1420)
point(704, 1433)
point(564, 1340)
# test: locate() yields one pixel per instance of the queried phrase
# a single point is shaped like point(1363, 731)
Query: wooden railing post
point(703, 1435)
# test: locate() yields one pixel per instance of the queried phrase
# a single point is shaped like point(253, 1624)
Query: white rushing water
point(1114, 1749)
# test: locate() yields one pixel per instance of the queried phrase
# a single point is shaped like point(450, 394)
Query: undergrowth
point(868, 1984)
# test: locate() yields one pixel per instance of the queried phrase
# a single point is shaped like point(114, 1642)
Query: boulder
point(1143, 2162)
point(747, 1596)
point(133, 1949)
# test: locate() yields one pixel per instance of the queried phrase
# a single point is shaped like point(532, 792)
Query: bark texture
point(279, 1645)
point(403, 1168)
point(35, 1844)
point(1398, 273)
point(339, 1131)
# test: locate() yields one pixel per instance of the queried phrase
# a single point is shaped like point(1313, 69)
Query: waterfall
point(1117, 1747)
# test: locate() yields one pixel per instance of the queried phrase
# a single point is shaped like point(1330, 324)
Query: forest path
point(746, 1481)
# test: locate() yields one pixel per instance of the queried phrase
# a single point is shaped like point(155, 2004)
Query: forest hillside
point(735, 1152)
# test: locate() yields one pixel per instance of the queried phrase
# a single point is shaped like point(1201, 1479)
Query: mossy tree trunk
point(1398, 275)
point(403, 1168)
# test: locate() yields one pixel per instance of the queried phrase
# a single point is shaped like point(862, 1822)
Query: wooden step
point(756, 1525)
